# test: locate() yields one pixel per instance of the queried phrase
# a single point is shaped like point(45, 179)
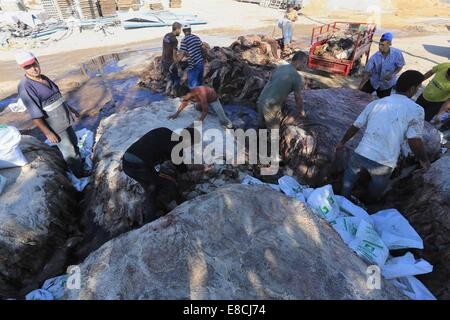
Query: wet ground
point(110, 85)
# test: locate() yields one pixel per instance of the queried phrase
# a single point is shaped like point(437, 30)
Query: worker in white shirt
point(388, 121)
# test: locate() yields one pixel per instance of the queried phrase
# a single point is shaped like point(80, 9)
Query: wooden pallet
point(108, 8)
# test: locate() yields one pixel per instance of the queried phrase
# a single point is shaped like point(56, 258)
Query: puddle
point(5, 102)
point(124, 92)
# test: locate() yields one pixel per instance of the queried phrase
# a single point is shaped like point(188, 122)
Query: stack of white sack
point(370, 236)
point(10, 154)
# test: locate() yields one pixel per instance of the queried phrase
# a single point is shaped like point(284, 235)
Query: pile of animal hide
point(238, 73)
point(340, 46)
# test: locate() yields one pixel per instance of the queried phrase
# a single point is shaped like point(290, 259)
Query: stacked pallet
point(12, 5)
point(155, 5)
point(87, 9)
point(175, 3)
point(58, 9)
point(128, 4)
point(108, 8)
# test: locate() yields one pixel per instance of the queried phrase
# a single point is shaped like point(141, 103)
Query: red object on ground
point(322, 34)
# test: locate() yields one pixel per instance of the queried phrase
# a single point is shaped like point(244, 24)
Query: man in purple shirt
point(50, 113)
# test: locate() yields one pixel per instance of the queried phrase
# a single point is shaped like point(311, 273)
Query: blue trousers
point(380, 176)
point(195, 75)
point(288, 30)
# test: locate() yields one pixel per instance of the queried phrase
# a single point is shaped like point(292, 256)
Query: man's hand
point(302, 113)
point(388, 77)
point(173, 116)
point(426, 165)
point(53, 138)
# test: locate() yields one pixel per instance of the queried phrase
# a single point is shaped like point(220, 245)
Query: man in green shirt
point(285, 79)
point(436, 96)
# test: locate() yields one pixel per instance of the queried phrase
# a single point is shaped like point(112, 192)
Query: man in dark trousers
point(49, 111)
point(382, 68)
point(141, 162)
point(169, 54)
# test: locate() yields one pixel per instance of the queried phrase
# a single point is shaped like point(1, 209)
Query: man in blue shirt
point(49, 111)
point(382, 69)
point(192, 48)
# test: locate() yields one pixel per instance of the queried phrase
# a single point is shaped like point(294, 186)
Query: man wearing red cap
point(49, 111)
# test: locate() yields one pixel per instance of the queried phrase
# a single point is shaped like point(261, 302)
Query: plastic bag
point(307, 192)
point(39, 294)
point(323, 203)
point(368, 244)
point(17, 107)
point(2, 183)
point(292, 188)
point(347, 227)
point(349, 208)
point(85, 145)
point(413, 288)
point(10, 154)
point(396, 231)
point(79, 184)
point(56, 286)
point(405, 266)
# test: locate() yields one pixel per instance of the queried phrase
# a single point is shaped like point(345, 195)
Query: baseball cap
point(388, 36)
point(24, 59)
point(186, 26)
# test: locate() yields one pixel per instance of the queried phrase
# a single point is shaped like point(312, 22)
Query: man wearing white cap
point(192, 48)
point(49, 111)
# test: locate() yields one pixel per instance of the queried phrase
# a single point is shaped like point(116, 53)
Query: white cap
point(186, 26)
point(24, 59)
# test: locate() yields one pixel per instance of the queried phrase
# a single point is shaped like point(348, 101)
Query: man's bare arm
point(204, 105)
point(175, 55)
point(182, 106)
point(418, 148)
point(428, 75)
point(445, 108)
point(351, 132)
point(299, 103)
point(40, 123)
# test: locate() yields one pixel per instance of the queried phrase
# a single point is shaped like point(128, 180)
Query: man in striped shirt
point(192, 48)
